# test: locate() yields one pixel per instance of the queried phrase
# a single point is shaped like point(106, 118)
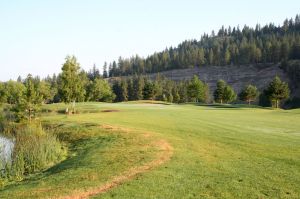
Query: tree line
point(140, 87)
point(75, 85)
point(267, 44)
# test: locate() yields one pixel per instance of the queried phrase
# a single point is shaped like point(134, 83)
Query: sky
point(36, 36)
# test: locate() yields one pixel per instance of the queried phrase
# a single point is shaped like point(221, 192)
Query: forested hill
point(229, 46)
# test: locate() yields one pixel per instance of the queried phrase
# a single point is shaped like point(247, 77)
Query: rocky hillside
point(236, 76)
point(239, 76)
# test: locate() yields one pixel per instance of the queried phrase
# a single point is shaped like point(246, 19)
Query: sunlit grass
point(219, 152)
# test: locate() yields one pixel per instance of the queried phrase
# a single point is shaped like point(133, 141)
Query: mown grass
point(95, 156)
point(219, 152)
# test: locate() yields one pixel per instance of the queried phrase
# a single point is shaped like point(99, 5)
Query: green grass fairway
point(218, 152)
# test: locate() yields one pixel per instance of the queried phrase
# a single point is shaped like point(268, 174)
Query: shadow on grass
point(148, 102)
point(222, 106)
point(78, 158)
point(83, 144)
point(79, 153)
point(233, 106)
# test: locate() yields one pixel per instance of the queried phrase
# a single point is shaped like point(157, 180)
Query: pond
point(6, 147)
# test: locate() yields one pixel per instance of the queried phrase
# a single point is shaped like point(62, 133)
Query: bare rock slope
point(236, 76)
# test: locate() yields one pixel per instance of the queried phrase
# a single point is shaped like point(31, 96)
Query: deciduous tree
point(100, 91)
point(71, 87)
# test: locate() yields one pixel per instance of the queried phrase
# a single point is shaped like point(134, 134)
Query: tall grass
point(34, 150)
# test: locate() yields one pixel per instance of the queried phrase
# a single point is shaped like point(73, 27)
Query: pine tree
point(219, 92)
point(201, 57)
point(149, 91)
point(121, 90)
point(249, 94)
point(159, 86)
point(229, 94)
point(19, 79)
point(110, 72)
point(94, 73)
point(28, 105)
point(114, 69)
point(170, 98)
point(175, 93)
point(277, 91)
point(211, 57)
point(138, 86)
point(182, 91)
point(105, 74)
point(130, 89)
point(124, 90)
point(116, 87)
point(285, 50)
point(227, 57)
point(247, 46)
point(196, 90)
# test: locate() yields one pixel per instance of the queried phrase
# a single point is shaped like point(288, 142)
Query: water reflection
point(6, 147)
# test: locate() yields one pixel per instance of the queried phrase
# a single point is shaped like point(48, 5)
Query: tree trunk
point(29, 112)
point(221, 101)
point(73, 106)
point(277, 103)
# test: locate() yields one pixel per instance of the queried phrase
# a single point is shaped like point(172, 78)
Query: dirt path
point(164, 155)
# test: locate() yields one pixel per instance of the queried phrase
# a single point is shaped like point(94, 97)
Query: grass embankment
point(219, 152)
point(97, 154)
